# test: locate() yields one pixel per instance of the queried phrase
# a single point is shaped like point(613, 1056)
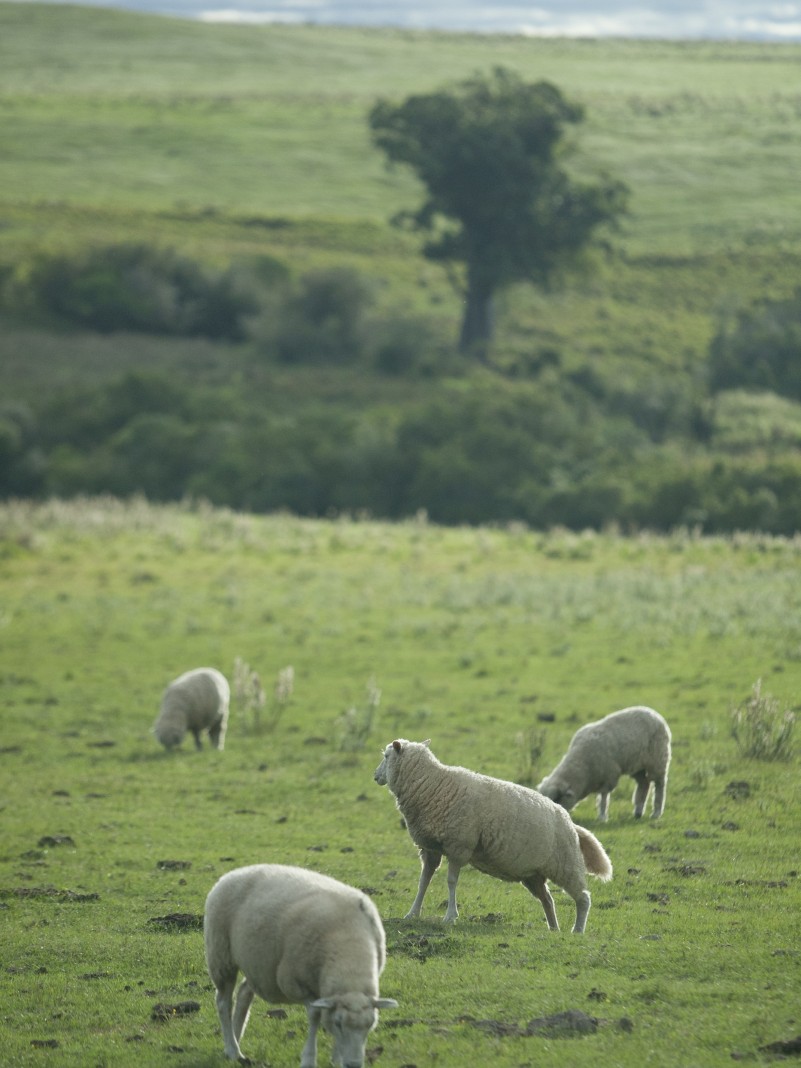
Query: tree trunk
point(477, 321)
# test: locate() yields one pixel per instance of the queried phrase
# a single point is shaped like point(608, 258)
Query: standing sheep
point(196, 701)
point(503, 829)
point(296, 936)
point(634, 741)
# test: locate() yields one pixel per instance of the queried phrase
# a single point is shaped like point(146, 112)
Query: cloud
point(676, 19)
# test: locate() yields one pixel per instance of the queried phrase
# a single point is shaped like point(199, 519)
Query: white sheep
point(297, 937)
point(501, 828)
point(634, 741)
point(196, 701)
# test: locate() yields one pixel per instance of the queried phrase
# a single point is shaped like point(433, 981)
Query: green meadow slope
point(107, 109)
point(245, 146)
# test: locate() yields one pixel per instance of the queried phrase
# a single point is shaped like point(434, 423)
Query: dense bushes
point(325, 317)
point(544, 454)
point(133, 287)
point(329, 317)
point(760, 349)
point(22, 460)
point(536, 442)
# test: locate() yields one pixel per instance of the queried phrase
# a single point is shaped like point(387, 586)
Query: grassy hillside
point(119, 111)
point(496, 644)
point(235, 144)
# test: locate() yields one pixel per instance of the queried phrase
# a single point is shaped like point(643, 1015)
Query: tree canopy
point(499, 201)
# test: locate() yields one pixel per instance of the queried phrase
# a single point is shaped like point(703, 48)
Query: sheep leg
point(602, 805)
point(198, 743)
point(308, 1057)
point(431, 861)
point(660, 788)
point(224, 1001)
point(538, 886)
point(582, 912)
point(640, 793)
point(452, 912)
point(214, 735)
point(244, 999)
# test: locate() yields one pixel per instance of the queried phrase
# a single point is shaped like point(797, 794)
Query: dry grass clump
point(762, 728)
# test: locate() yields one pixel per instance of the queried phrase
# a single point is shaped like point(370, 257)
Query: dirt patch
point(565, 1024)
point(420, 946)
point(738, 789)
point(687, 870)
point(178, 921)
point(50, 841)
point(49, 892)
point(163, 1012)
point(790, 1047)
point(173, 865)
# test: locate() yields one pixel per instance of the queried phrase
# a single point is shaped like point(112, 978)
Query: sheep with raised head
point(196, 701)
point(634, 741)
point(297, 937)
point(501, 828)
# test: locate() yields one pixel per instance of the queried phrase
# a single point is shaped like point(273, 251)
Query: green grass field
point(476, 638)
point(135, 115)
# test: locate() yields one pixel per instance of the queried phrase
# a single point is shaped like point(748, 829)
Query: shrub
point(402, 344)
point(22, 462)
point(135, 287)
point(760, 350)
point(762, 728)
point(153, 454)
point(323, 320)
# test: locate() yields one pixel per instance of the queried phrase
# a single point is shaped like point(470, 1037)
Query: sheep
point(196, 701)
point(634, 741)
point(297, 937)
point(501, 828)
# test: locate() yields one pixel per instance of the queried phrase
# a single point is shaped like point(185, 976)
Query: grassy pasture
point(140, 114)
point(472, 636)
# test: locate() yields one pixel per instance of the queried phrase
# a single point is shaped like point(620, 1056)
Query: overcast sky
point(724, 19)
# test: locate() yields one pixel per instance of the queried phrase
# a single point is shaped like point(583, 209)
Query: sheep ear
point(385, 1003)
point(322, 1003)
point(396, 745)
point(427, 743)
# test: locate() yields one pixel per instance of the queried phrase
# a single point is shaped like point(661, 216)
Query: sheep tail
point(595, 859)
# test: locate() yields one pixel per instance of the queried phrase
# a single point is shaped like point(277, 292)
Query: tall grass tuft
point(249, 694)
point(762, 728)
point(252, 698)
point(357, 723)
point(282, 694)
point(530, 745)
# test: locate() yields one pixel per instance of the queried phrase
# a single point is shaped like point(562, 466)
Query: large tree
point(500, 203)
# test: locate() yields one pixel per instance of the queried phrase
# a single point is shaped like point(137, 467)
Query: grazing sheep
point(296, 936)
point(634, 741)
point(503, 829)
point(195, 701)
